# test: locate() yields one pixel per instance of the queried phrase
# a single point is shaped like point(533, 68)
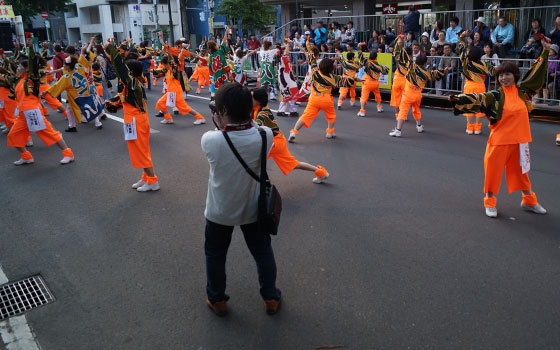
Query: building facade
point(139, 20)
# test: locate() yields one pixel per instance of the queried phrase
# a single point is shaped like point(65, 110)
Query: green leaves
point(253, 14)
point(29, 8)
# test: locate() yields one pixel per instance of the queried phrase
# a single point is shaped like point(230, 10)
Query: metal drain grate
point(24, 295)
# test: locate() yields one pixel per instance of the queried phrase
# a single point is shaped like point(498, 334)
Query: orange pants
point(51, 101)
point(344, 91)
point(99, 89)
point(139, 149)
point(369, 86)
point(472, 87)
point(399, 82)
point(318, 102)
point(412, 96)
point(281, 155)
point(19, 133)
point(496, 159)
point(180, 103)
point(7, 114)
point(203, 76)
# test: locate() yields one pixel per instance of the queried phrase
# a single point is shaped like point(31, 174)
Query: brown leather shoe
point(271, 306)
point(219, 308)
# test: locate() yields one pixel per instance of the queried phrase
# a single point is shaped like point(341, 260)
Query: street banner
point(6, 12)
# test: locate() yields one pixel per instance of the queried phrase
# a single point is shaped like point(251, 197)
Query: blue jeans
point(218, 239)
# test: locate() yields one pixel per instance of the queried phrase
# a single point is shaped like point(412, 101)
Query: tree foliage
point(30, 8)
point(252, 14)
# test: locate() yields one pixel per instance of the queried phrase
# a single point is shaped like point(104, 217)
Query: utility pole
point(171, 37)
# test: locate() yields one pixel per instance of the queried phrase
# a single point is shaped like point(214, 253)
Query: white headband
point(68, 59)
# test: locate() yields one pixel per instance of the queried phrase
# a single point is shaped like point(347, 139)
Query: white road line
point(15, 331)
point(208, 98)
point(120, 120)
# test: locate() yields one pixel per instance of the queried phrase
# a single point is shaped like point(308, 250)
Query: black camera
point(212, 106)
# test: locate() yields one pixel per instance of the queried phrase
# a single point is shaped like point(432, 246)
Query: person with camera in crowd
point(233, 195)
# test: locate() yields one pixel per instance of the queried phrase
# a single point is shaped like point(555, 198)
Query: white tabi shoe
point(29, 143)
point(319, 180)
point(491, 212)
point(138, 184)
point(167, 121)
point(330, 136)
point(292, 137)
point(66, 160)
point(24, 161)
point(395, 133)
point(537, 209)
point(379, 109)
point(420, 128)
point(146, 187)
point(199, 121)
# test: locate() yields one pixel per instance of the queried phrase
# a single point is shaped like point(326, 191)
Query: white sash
point(130, 130)
point(524, 157)
point(171, 99)
point(35, 121)
point(1, 103)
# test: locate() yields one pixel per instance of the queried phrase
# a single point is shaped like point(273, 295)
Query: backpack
point(110, 73)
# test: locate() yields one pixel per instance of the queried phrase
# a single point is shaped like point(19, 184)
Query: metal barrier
point(451, 83)
point(519, 17)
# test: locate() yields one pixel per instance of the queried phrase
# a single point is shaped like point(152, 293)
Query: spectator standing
point(449, 60)
point(373, 42)
point(58, 60)
point(554, 33)
point(232, 198)
point(502, 37)
point(480, 27)
point(146, 60)
point(389, 36)
point(254, 44)
point(438, 27)
point(295, 29)
point(412, 21)
point(425, 43)
point(452, 33)
point(320, 34)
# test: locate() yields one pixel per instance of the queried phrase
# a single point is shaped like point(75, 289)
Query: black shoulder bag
point(270, 202)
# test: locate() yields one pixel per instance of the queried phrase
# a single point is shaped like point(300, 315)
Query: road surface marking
point(120, 120)
point(15, 331)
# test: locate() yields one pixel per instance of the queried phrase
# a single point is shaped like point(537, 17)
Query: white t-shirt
point(494, 59)
point(268, 55)
point(232, 193)
point(337, 34)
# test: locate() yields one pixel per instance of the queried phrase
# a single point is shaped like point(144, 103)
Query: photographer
point(233, 197)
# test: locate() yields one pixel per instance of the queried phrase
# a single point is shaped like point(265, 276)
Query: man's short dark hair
point(235, 101)
point(421, 60)
point(350, 55)
point(502, 17)
point(455, 19)
point(261, 96)
point(509, 67)
point(350, 22)
point(57, 48)
point(71, 50)
point(448, 45)
point(326, 66)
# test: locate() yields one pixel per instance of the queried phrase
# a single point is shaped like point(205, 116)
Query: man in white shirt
point(233, 197)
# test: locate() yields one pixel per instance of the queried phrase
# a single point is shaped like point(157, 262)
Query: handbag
point(270, 201)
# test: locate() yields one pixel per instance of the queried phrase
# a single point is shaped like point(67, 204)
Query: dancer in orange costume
point(30, 117)
point(323, 80)
point(8, 103)
point(372, 70)
point(173, 97)
point(132, 99)
point(399, 79)
point(279, 152)
point(475, 73)
point(508, 110)
point(416, 79)
point(349, 69)
point(201, 74)
point(557, 139)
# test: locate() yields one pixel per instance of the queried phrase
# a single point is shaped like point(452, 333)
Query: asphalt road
point(393, 252)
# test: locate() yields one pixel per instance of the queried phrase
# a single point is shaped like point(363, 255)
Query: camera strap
point(245, 166)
